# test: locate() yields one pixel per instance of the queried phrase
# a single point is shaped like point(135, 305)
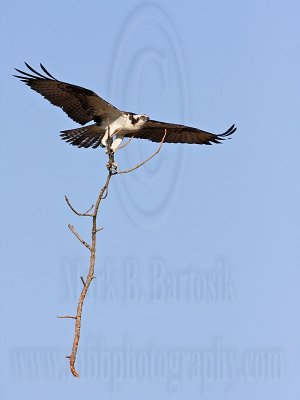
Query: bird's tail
point(87, 136)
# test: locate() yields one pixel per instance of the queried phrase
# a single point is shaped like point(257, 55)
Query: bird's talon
point(113, 166)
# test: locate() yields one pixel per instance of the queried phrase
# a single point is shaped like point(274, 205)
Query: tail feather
point(87, 136)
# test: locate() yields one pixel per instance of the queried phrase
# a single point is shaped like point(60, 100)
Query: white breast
point(124, 123)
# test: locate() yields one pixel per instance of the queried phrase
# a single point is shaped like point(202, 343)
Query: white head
point(136, 121)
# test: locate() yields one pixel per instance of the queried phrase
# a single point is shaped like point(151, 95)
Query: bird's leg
point(105, 141)
point(111, 148)
point(118, 140)
point(111, 165)
point(115, 144)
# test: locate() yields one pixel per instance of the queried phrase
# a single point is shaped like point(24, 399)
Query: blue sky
point(197, 268)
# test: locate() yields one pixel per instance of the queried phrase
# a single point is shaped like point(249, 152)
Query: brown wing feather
point(87, 136)
point(80, 104)
point(154, 131)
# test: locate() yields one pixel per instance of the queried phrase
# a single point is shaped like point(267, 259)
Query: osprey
point(84, 105)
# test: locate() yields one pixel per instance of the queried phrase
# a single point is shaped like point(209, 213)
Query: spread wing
point(154, 131)
point(80, 104)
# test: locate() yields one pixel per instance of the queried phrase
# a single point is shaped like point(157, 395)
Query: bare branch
point(67, 316)
point(103, 193)
point(92, 247)
point(145, 161)
point(85, 214)
point(72, 229)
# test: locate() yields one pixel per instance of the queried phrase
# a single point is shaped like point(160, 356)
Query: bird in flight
point(84, 105)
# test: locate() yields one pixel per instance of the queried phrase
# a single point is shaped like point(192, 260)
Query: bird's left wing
point(154, 131)
point(80, 104)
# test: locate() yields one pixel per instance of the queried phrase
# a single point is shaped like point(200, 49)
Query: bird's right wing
point(80, 104)
point(154, 131)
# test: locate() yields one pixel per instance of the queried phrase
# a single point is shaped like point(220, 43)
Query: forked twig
point(85, 214)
